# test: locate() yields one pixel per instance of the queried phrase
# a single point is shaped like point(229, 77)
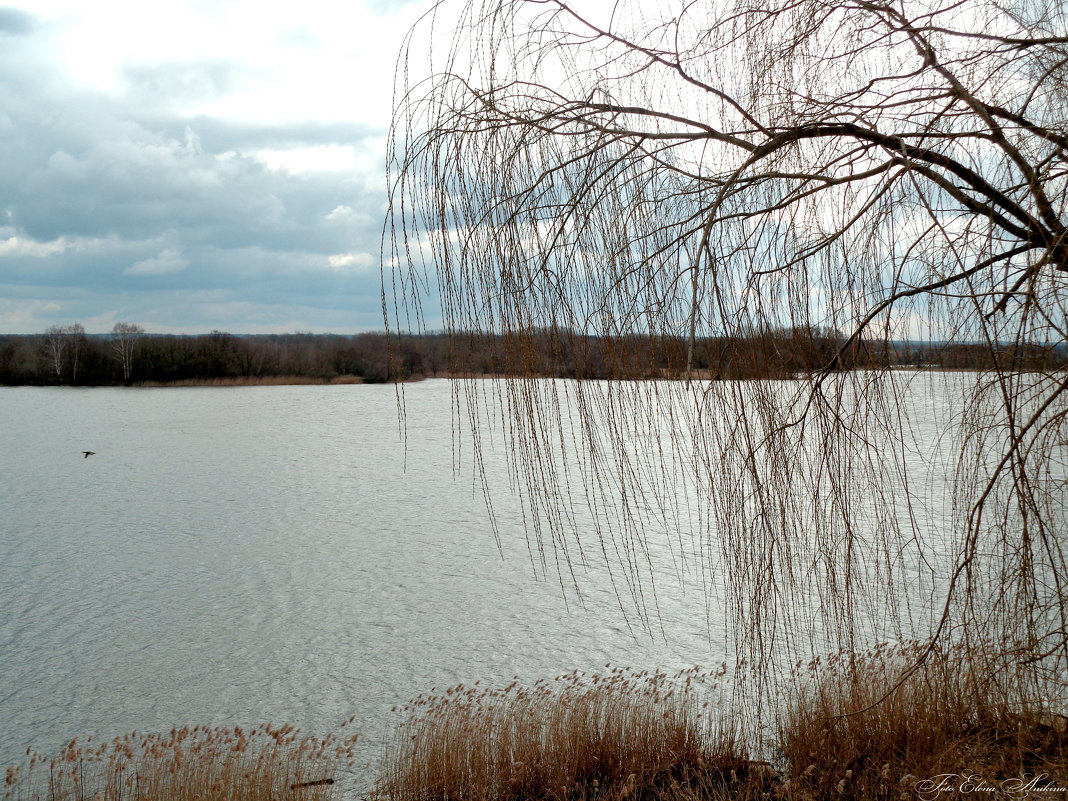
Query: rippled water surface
point(238, 555)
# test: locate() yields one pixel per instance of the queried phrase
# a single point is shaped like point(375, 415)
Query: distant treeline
point(67, 355)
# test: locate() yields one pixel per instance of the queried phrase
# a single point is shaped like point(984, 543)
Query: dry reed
point(251, 381)
point(202, 763)
point(621, 735)
point(959, 721)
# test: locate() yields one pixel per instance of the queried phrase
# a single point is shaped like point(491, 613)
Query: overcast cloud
point(192, 166)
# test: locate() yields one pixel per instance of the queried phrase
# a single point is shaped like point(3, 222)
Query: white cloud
point(346, 217)
point(166, 263)
point(358, 260)
point(15, 245)
point(318, 158)
point(21, 246)
point(341, 213)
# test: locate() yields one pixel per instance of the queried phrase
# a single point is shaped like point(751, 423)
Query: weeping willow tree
point(696, 172)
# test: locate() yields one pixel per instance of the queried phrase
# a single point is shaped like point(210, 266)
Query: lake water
point(231, 556)
point(238, 555)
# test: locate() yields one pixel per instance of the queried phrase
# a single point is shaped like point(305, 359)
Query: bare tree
point(124, 338)
point(890, 170)
point(75, 335)
point(54, 345)
point(62, 348)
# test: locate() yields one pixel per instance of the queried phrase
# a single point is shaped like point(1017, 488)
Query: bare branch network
point(880, 171)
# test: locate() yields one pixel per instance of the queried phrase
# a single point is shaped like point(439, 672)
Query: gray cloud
point(119, 209)
point(16, 22)
point(162, 84)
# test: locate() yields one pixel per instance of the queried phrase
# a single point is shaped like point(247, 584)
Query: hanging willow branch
point(693, 178)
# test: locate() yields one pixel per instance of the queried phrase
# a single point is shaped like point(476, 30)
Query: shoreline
point(250, 381)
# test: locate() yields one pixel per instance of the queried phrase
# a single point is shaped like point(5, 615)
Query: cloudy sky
point(195, 164)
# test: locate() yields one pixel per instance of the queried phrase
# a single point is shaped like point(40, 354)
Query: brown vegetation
point(956, 716)
point(956, 722)
point(648, 736)
point(623, 735)
point(206, 764)
point(70, 356)
point(254, 381)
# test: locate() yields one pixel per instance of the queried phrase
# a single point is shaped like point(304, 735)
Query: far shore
point(251, 381)
point(349, 379)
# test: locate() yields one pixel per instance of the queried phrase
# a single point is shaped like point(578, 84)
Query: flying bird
point(88, 454)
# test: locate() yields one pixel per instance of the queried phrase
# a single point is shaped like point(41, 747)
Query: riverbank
point(950, 728)
point(70, 357)
point(253, 381)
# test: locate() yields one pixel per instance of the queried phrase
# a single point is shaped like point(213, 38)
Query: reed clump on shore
point(622, 735)
point(953, 717)
point(956, 722)
point(976, 720)
point(189, 764)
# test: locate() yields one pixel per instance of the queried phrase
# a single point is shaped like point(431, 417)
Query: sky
point(195, 165)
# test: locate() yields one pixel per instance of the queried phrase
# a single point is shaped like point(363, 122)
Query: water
point(238, 555)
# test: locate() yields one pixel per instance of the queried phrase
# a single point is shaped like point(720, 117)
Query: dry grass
point(957, 716)
point(650, 737)
point(617, 736)
point(623, 735)
point(205, 764)
point(249, 381)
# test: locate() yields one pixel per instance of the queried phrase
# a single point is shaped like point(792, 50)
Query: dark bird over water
point(88, 454)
